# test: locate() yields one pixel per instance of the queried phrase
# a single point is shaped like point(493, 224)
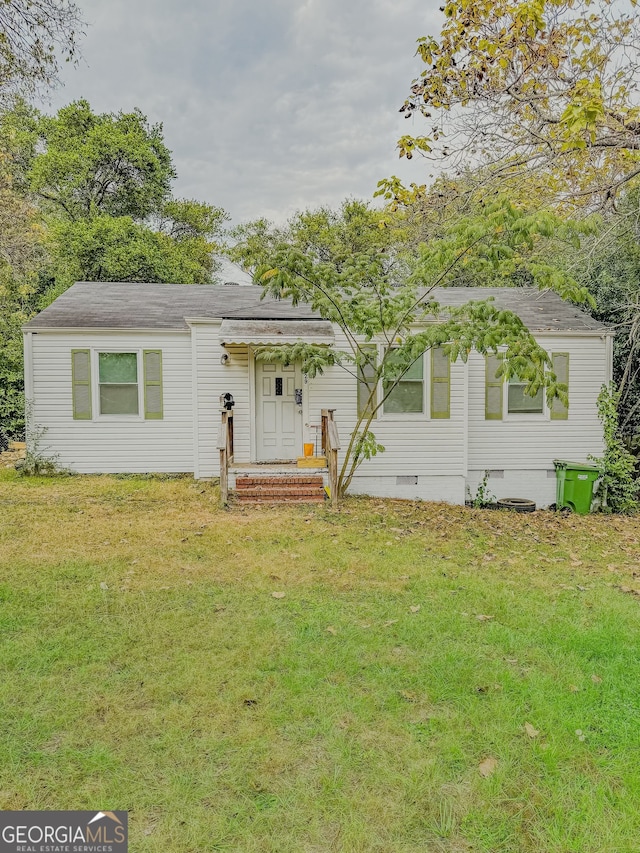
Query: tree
point(541, 94)
point(21, 255)
point(609, 264)
point(84, 164)
point(31, 34)
point(85, 196)
point(370, 282)
point(103, 184)
point(108, 248)
point(618, 490)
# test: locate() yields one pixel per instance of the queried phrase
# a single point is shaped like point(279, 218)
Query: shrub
point(618, 490)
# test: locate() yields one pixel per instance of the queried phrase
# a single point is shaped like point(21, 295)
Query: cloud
point(269, 106)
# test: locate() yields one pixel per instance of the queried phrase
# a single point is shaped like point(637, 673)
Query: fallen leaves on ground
point(488, 766)
point(409, 695)
point(531, 730)
point(277, 594)
point(629, 590)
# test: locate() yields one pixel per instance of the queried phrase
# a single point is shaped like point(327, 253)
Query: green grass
point(145, 665)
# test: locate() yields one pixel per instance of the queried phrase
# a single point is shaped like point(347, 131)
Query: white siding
point(212, 380)
point(415, 445)
point(434, 459)
point(433, 450)
point(113, 444)
point(524, 446)
point(532, 442)
point(444, 455)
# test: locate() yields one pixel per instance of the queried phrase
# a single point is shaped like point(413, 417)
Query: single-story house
point(128, 377)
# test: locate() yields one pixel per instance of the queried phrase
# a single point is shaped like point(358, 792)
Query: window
point(367, 381)
point(113, 379)
point(520, 403)
point(118, 383)
point(408, 394)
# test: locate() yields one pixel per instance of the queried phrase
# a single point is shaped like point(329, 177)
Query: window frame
point(427, 381)
point(424, 414)
point(522, 417)
point(95, 369)
point(507, 415)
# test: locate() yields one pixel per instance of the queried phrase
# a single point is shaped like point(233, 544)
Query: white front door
point(278, 416)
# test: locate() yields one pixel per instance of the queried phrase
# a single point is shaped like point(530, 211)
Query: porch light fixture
point(224, 358)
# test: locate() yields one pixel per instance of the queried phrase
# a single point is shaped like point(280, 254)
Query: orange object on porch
point(308, 448)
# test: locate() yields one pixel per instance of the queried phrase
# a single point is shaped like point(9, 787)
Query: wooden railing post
point(330, 447)
point(225, 446)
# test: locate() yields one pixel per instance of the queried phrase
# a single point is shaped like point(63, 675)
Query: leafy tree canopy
point(103, 185)
point(608, 263)
point(21, 257)
point(80, 164)
point(85, 196)
point(108, 248)
point(377, 289)
point(33, 34)
point(541, 93)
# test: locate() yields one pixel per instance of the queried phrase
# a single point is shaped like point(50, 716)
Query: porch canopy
point(270, 332)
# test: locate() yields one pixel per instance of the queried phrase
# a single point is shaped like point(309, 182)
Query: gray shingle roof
point(539, 310)
point(121, 305)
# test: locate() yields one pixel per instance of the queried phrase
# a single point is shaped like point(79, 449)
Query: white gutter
point(99, 330)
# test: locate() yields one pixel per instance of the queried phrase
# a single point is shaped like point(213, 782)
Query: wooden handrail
point(330, 448)
point(225, 446)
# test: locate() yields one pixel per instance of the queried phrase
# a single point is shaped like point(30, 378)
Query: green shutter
point(493, 388)
point(152, 384)
point(81, 384)
point(440, 383)
point(560, 412)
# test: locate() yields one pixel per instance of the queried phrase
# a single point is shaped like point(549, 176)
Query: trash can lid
point(576, 466)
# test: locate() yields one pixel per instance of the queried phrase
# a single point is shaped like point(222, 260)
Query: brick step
point(271, 491)
point(249, 482)
point(283, 488)
point(283, 498)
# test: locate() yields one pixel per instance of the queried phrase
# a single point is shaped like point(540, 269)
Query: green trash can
point(574, 485)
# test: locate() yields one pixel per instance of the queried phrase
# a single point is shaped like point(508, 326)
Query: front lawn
point(390, 677)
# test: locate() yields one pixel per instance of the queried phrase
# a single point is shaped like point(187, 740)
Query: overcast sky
point(269, 106)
